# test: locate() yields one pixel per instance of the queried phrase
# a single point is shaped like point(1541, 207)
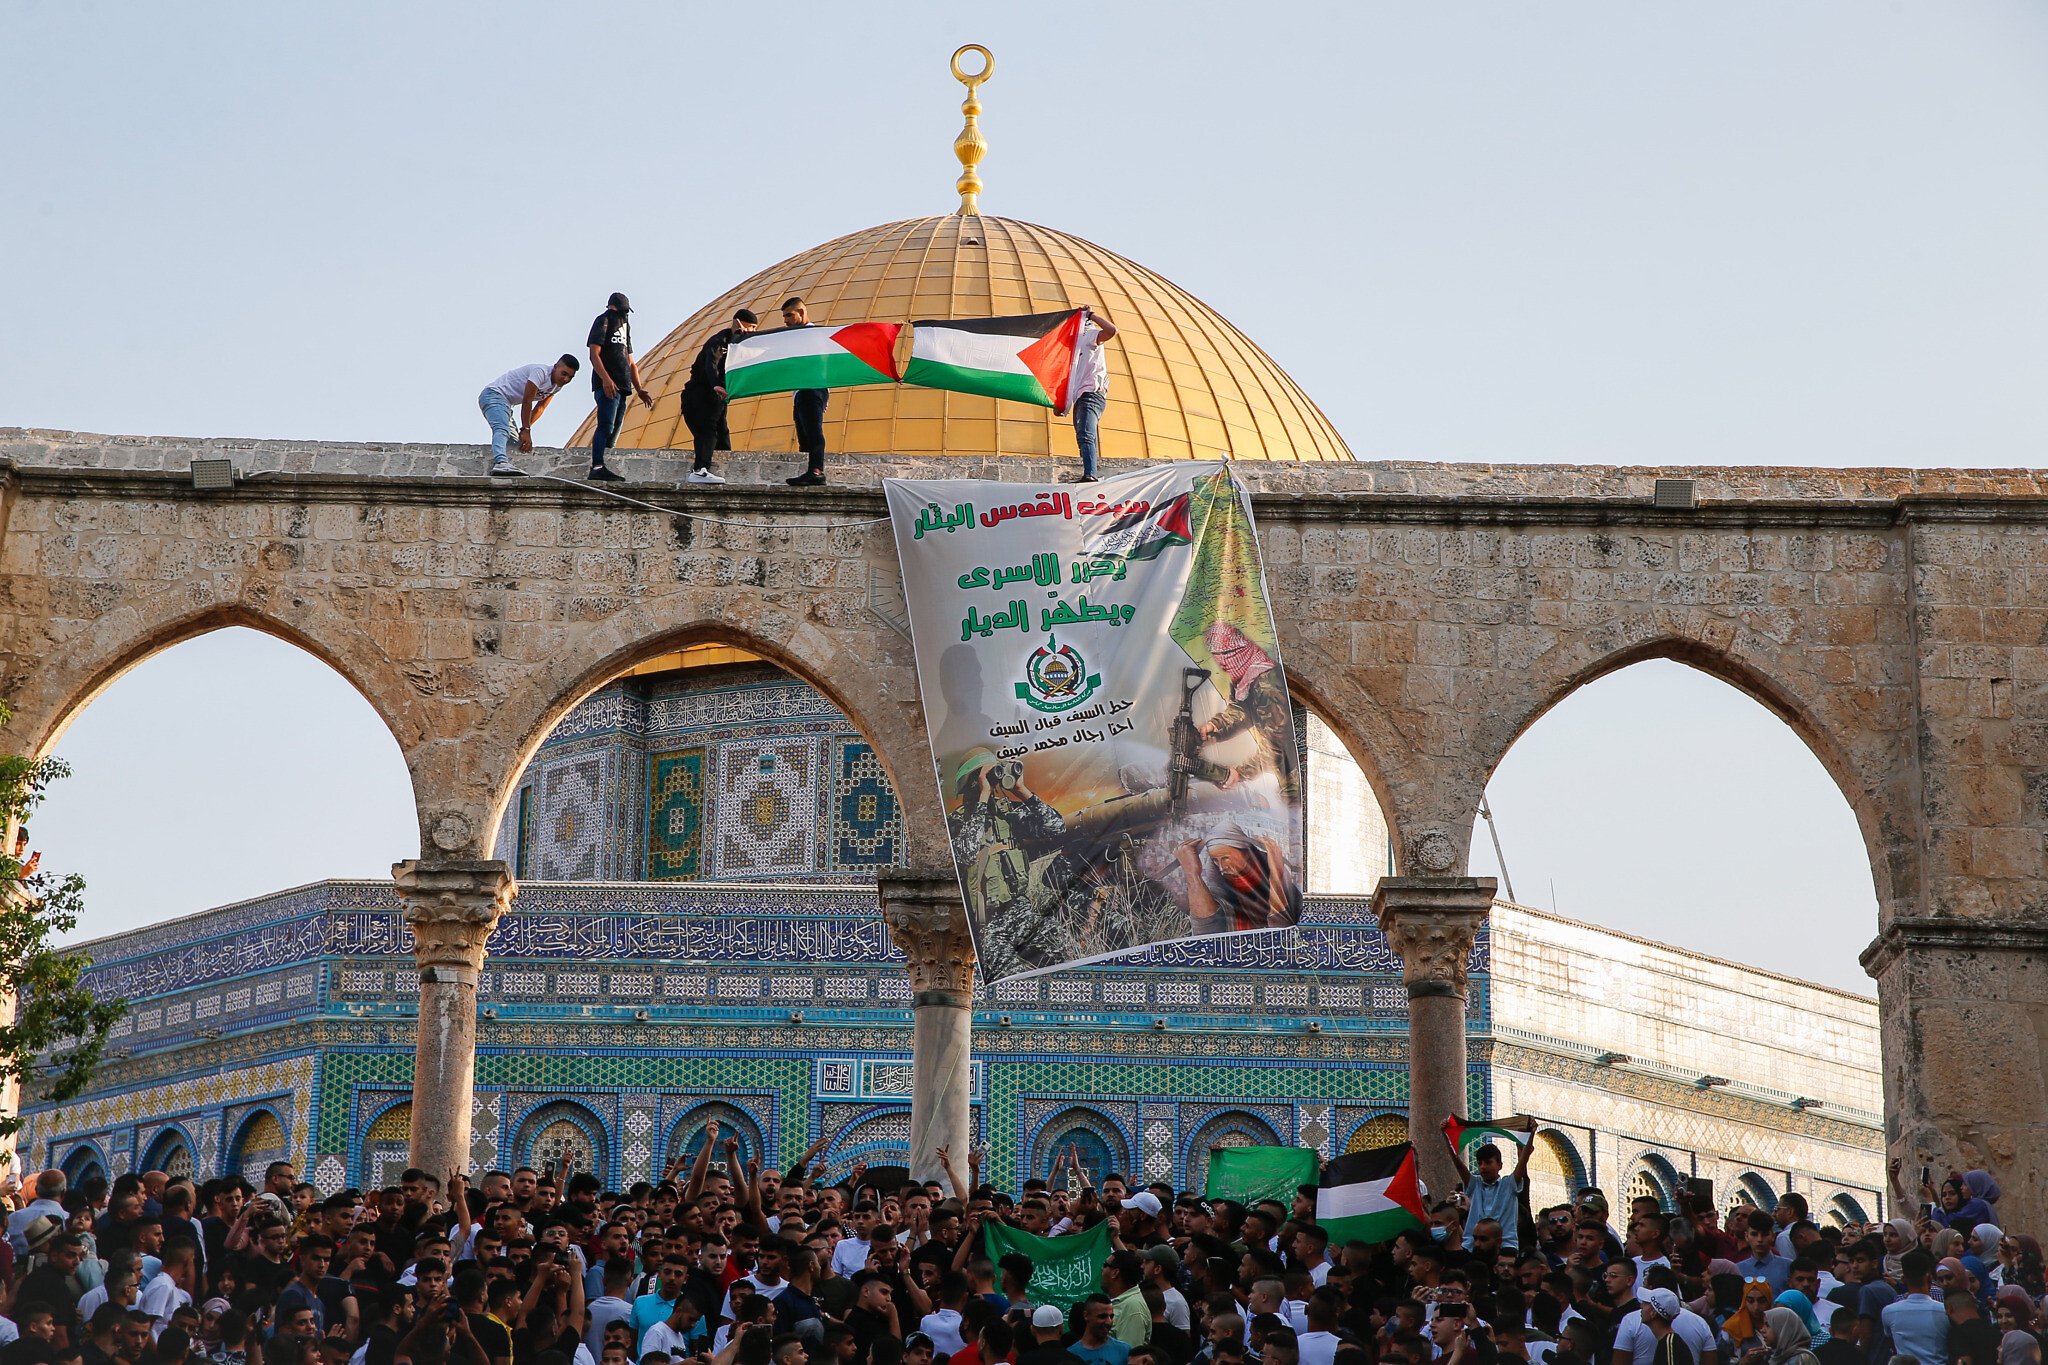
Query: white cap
point(1048, 1315)
point(1144, 1200)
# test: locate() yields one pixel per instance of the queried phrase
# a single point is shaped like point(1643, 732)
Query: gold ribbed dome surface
point(1184, 383)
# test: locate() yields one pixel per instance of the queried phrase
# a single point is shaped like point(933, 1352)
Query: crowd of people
point(515, 400)
point(727, 1263)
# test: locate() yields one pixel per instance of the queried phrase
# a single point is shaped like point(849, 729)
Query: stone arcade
point(1429, 614)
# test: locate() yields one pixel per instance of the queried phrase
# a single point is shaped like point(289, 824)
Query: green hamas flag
point(1064, 1270)
point(1247, 1174)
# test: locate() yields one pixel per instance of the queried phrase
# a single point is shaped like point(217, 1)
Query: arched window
point(563, 1131)
point(1091, 1134)
point(1381, 1130)
point(1556, 1174)
point(82, 1163)
point(387, 1147)
point(260, 1141)
point(170, 1153)
point(1231, 1128)
point(1755, 1191)
point(687, 1135)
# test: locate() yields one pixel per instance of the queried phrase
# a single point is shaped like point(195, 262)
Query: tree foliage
point(58, 1034)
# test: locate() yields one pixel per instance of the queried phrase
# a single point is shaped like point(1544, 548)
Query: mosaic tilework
point(866, 820)
point(675, 816)
point(764, 823)
point(573, 822)
point(202, 1105)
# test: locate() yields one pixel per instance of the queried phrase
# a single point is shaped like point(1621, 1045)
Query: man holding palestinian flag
point(809, 362)
point(1489, 1194)
point(1054, 360)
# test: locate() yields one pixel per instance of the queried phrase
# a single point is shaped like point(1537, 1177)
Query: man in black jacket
point(704, 396)
point(614, 381)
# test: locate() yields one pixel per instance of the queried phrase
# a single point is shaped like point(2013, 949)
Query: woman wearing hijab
point(1900, 1237)
point(2027, 1268)
point(1956, 1203)
point(1790, 1342)
point(1803, 1306)
point(2014, 1316)
point(1743, 1332)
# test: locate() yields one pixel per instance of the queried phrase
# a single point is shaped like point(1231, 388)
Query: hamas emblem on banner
point(1056, 678)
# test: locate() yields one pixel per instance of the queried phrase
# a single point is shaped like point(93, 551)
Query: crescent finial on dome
point(971, 146)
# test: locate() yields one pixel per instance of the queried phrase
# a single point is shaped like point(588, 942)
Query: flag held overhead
point(789, 358)
point(1370, 1196)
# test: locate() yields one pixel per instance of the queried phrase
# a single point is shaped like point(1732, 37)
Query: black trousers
point(704, 414)
point(808, 408)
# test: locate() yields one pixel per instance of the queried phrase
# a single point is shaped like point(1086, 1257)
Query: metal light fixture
point(1709, 1082)
point(1804, 1103)
point(1159, 1024)
point(1678, 495)
point(213, 476)
point(1611, 1059)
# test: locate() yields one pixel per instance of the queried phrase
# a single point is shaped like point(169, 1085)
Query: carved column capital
point(1433, 922)
point(452, 907)
point(928, 921)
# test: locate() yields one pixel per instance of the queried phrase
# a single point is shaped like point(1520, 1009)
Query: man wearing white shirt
point(530, 388)
point(172, 1288)
point(1162, 1265)
point(1636, 1344)
point(850, 1257)
point(673, 1332)
point(1088, 394)
point(610, 1306)
point(1318, 1345)
point(1311, 1241)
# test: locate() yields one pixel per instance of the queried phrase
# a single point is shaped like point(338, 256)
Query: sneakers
point(810, 478)
point(706, 476)
point(600, 474)
point(504, 469)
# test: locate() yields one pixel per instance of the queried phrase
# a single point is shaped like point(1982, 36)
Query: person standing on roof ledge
point(807, 409)
point(704, 396)
point(1088, 389)
point(614, 378)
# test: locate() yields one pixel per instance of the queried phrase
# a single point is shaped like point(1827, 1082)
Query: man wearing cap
point(1661, 1314)
point(1161, 1267)
point(704, 395)
point(1048, 1328)
point(614, 378)
point(1138, 1219)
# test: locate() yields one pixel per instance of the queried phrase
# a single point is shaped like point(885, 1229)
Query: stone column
point(1964, 1087)
point(451, 908)
point(929, 923)
point(1432, 923)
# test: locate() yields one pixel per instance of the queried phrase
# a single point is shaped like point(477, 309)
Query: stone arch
point(1104, 1147)
point(882, 706)
point(1755, 1191)
point(84, 1161)
point(1844, 1209)
point(1859, 755)
point(560, 1128)
point(1227, 1128)
point(1381, 1130)
point(686, 1134)
point(1556, 1170)
point(1337, 695)
point(173, 1152)
point(387, 1145)
point(263, 1136)
point(1655, 1177)
point(880, 1137)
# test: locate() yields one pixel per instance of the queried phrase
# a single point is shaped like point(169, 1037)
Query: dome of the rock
point(1184, 383)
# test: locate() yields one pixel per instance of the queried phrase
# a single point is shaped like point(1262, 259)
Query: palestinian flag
point(1466, 1136)
point(1142, 533)
point(789, 358)
point(1028, 358)
point(1370, 1196)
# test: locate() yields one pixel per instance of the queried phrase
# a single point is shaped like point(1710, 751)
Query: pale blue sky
point(1741, 233)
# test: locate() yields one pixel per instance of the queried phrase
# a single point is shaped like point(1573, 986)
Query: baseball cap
point(916, 1339)
point(1144, 1200)
point(1593, 1200)
point(620, 302)
point(1164, 1254)
point(1048, 1315)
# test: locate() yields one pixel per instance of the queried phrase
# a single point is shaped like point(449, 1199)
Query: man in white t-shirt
point(1088, 389)
point(531, 388)
point(1635, 1342)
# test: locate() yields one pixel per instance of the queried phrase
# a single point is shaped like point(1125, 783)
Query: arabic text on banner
point(1109, 718)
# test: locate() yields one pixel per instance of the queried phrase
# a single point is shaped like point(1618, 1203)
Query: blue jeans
point(1087, 418)
point(504, 422)
point(610, 413)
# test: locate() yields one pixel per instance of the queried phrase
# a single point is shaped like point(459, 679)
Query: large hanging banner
point(1109, 719)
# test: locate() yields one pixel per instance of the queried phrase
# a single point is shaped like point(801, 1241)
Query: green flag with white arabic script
point(1064, 1270)
point(1249, 1174)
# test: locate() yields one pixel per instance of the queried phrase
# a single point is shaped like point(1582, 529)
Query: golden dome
point(1184, 383)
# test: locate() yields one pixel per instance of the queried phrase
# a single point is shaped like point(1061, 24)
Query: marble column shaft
point(929, 923)
point(1433, 922)
point(451, 908)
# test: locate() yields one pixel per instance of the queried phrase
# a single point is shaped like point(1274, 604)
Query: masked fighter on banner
point(1257, 702)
